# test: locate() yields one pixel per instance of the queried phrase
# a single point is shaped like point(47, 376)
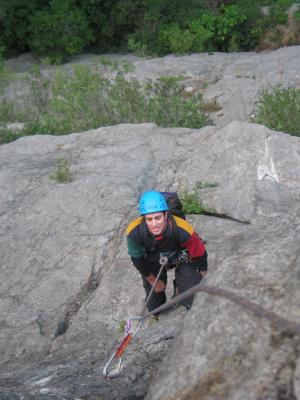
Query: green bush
point(59, 32)
point(157, 27)
point(5, 74)
point(56, 29)
point(227, 28)
point(203, 32)
point(278, 11)
point(297, 16)
point(178, 41)
point(279, 109)
point(85, 100)
point(166, 105)
point(15, 18)
point(62, 172)
point(210, 32)
point(191, 203)
point(8, 135)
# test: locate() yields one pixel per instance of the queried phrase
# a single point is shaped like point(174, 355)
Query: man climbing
point(157, 232)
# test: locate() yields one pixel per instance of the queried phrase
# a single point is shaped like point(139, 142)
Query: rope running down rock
point(282, 323)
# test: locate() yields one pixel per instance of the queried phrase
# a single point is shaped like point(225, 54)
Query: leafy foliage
point(191, 203)
point(7, 135)
point(15, 16)
point(84, 99)
point(191, 200)
point(224, 29)
point(57, 29)
point(60, 31)
point(2, 70)
point(279, 109)
point(278, 11)
point(62, 172)
point(297, 16)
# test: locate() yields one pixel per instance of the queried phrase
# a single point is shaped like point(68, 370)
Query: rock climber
point(158, 232)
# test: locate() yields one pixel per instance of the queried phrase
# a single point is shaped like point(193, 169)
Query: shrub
point(8, 112)
point(84, 99)
point(278, 12)
point(62, 172)
point(59, 32)
point(279, 109)
point(167, 107)
point(40, 89)
point(8, 135)
point(203, 32)
point(15, 23)
point(191, 203)
point(209, 32)
point(161, 23)
point(178, 41)
point(4, 73)
point(60, 28)
point(297, 16)
point(137, 47)
point(87, 100)
point(227, 27)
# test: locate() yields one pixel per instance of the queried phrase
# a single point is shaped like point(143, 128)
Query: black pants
point(185, 277)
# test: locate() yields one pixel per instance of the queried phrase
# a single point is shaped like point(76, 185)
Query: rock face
point(67, 282)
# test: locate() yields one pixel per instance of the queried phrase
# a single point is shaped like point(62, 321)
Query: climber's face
point(156, 222)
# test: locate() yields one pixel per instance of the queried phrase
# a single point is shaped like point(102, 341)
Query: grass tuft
point(62, 172)
point(191, 201)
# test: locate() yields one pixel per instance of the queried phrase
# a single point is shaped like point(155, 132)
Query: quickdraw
point(113, 366)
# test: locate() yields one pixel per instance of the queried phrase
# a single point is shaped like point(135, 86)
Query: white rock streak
point(266, 167)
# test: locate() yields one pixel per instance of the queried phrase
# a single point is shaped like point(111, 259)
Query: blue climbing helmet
point(152, 202)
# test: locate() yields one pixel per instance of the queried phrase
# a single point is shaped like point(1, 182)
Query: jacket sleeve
point(141, 265)
point(197, 252)
point(200, 263)
point(194, 245)
point(137, 252)
point(135, 249)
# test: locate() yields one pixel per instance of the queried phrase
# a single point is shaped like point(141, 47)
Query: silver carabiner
point(163, 259)
point(112, 373)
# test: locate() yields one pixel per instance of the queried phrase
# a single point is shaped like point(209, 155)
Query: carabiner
point(110, 372)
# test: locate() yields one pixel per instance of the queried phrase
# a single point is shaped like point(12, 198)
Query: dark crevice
point(92, 283)
point(224, 216)
point(74, 306)
point(41, 324)
point(164, 339)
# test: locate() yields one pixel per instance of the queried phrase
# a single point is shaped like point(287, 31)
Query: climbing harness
point(113, 366)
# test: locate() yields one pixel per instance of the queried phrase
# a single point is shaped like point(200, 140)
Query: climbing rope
point(284, 324)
